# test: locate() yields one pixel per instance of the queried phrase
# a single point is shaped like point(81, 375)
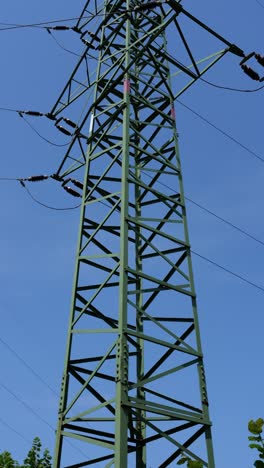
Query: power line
point(211, 261)
point(230, 272)
point(68, 50)
point(37, 415)
point(260, 4)
point(61, 46)
point(45, 24)
point(11, 26)
point(55, 208)
point(225, 221)
point(28, 407)
point(48, 206)
point(8, 179)
point(236, 275)
point(11, 350)
point(14, 430)
point(212, 213)
point(189, 199)
point(242, 231)
point(41, 136)
point(58, 209)
point(223, 132)
point(7, 109)
point(21, 114)
point(21, 181)
point(24, 404)
point(197, 254)
point(229, 88)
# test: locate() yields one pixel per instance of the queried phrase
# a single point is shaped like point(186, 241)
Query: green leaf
point(195, 464)
point(259, 464)
point(255, 427)
point(256, 438)
point(182, 461)
point(256, 446)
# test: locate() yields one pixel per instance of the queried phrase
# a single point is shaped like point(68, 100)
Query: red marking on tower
point(127, 86)
point(173, 112)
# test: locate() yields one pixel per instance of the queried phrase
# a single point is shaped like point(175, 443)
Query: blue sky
point(37, 246)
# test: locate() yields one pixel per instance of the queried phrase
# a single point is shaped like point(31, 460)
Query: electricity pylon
point(133, 391)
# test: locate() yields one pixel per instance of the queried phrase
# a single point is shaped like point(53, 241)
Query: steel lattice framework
point(134, 384)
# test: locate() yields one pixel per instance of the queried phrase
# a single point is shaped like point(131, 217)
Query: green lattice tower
point(134, 391)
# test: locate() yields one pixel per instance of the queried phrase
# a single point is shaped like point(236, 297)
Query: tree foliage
point(189, 463)
point(6, 461)
point(34, 458)
point(256, 440)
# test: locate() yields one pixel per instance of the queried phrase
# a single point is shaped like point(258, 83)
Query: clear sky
point(37, 245)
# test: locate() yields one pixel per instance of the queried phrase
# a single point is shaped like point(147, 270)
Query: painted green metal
point(133, 391)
